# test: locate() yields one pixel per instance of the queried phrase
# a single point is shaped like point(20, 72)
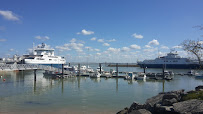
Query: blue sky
point(112, 30)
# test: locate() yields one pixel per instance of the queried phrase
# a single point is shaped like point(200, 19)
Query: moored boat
point(140, 76)
point(171, 61)
point(43, 54)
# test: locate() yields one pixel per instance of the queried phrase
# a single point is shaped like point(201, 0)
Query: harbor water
point(19, 92)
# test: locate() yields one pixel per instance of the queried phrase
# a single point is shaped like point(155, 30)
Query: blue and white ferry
point(171, 61)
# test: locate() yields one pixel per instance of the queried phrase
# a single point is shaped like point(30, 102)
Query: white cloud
point(97, 49)
point(9, 15)
point(94, 38)
point(86, 32)
point(42, 37)
point(124, 49)
point(138, 36)
point(89, 48)
point(98, 54)
point(112, 40)
point(164, 47)
point(134, 46)
point(76, 46)
point(30, 50)
point(100, 40)
point(113, 50)
point(106, 44)
point(2, 40)
point(73, 40)
point(11, 49)
point(62, 48)
point(200, 42)
point(147, 46)
point(177, 47)
point(153, 42)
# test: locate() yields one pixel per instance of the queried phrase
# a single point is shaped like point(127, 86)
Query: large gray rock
point(169, 102)
point(136, 106)
point(193, 106)
point(174, 94)
point(171, 96)
point(140, 111)
point(199, 88)
point(159, 109)
point(154, 100)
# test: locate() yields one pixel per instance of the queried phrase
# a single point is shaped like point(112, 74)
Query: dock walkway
point(18, 67)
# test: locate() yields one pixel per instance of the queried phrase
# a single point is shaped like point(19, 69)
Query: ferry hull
point(171, 66)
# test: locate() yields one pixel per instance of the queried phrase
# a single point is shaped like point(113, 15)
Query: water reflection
point(83, 93)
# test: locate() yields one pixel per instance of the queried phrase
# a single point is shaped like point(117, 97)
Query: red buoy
point(4, 79)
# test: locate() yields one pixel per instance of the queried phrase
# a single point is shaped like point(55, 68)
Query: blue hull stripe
point(170, 66)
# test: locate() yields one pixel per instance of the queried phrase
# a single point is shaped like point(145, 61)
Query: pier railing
point(16, 67)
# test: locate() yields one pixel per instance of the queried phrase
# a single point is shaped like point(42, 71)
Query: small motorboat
point(95, 75)
point(130, 76)
point(141, 76)
point(89, 69)
point(98, 69)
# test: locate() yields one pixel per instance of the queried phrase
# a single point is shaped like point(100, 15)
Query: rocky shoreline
point(168, 103)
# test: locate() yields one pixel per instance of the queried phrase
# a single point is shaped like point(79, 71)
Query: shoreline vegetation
point(173, 102)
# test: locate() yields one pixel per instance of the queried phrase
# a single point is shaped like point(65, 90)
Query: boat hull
point(170, 66)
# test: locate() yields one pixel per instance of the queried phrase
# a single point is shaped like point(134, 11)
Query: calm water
point(19, 93)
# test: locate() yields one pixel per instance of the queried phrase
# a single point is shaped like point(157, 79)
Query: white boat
point(168, 75)
point(83, 68)
point(95, 75)
point(171, 60)
point(43, 54)
point(140, 76)
point(98, 69)
point(130, 76)
point(192, 73)
point(89, 69)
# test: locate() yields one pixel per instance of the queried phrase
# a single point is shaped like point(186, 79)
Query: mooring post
point(35, 75)
point(163, 71)
point(100, 68)
point(62, 69)
point(116, 69)
point(79, 69)
point(144, 68)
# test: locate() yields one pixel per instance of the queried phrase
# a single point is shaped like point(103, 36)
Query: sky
point(100, 30)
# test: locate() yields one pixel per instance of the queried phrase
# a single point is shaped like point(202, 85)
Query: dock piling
point(144, 68)
point(163, 69)
point(78, 69)
point(116, 69)
point(62, 70)
point(35, 78)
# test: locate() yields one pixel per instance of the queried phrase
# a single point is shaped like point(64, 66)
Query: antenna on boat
point(158, 53)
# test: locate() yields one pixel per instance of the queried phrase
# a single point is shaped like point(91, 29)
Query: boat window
point(40, 59)
point(30, 58)
point(50, 59)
